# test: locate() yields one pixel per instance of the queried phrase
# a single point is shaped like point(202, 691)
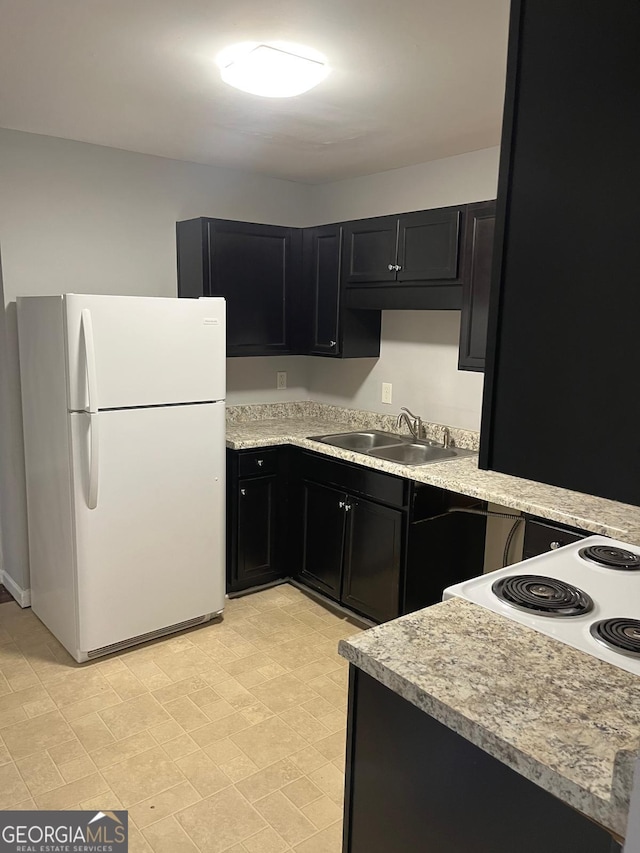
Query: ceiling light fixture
point(277, 70)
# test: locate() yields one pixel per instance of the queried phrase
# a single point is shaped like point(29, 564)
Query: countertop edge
point(611, 814)
point(435, 474)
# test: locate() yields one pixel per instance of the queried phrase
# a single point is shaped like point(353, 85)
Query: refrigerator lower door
point(151, 554)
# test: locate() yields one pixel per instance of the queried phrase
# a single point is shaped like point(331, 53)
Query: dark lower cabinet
point(378, 544)
point(478, 255)
point(323, 538)
point(415, 786)
point(351, 550)
point(371, 576)
point(352, 544)
point(255, 553)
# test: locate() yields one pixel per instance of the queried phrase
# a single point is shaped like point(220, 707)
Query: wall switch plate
point(281, 380)
point(386, 392)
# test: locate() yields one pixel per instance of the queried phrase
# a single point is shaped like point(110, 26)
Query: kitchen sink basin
point(392, 447)
point(410, 453)
point(360, 441)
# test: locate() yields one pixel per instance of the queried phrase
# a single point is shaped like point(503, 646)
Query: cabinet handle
point(243, 492)
point(259, 462)
point(398, 267)
point(391, 267)
point(553, 546)
point(341, 505)
point(347, 507)
point(332, 343)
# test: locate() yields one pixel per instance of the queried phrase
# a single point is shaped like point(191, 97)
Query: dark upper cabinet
point(563, 358)
point(333, 329)
point(371, 578)
point(477, 256)
point(428, 245)
point(370, 247)
point(405, 261)
point(256, 268)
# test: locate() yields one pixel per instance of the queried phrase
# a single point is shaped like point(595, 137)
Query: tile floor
point(228, 737)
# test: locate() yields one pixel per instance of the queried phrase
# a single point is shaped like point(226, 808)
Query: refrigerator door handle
point(90, 356)
point(94, 463)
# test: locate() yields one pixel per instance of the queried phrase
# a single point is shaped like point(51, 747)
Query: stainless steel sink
point(410, 453)
point(392, 447)
point(360, 441)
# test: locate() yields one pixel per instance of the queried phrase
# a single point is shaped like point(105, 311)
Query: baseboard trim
point(22, 596)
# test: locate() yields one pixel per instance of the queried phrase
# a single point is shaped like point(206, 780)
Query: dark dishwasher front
point(445, 544)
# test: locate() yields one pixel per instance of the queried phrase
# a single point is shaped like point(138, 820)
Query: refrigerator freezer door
point(151, 554)
point(144, 351)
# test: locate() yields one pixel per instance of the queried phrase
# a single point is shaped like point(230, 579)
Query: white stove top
point(615, 594)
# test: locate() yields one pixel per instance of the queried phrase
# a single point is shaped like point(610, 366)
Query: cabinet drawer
point(540, 537)
point(257, 462)
point(357, 480)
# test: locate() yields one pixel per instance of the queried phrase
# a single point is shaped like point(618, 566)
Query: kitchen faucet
point(414, 426)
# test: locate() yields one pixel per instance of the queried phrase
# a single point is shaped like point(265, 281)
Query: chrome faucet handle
point(446, 437)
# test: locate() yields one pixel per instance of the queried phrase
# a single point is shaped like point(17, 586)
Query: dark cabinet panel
point(477, 258)
point(371, 578)
point(428, 245)
point(565, 306)
point(256, 268)
point(257, 515)
point(353, 546)
point(370, 250)
point(334, 330)
point(323, 539)
point(322, 247)
point(249, 266)
point(541, 536)
point(406, 261)
point(415, 786)
point(256, 501)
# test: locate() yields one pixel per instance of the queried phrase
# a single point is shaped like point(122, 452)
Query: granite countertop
point(567, 721)
point(293, 424)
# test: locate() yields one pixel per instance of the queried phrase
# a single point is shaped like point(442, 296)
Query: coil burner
point(542, 595)
point(611, 557)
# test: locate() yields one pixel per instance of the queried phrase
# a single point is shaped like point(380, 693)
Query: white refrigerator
point(124, 434)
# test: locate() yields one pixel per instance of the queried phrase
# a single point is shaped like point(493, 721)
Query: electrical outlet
point(386, 392)
point(281, 380)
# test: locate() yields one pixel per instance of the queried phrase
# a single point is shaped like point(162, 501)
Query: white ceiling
point(412, 80)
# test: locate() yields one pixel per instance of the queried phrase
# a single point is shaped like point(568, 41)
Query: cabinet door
point(477, 255)
point(257, 516)
point(428, 245)
point(372, 560)
point(322, 272)
point(251, 266)
point(324, 525)
point(564, 359)
point(370, 250)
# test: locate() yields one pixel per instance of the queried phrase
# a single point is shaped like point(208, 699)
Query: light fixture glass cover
point(272, 71)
